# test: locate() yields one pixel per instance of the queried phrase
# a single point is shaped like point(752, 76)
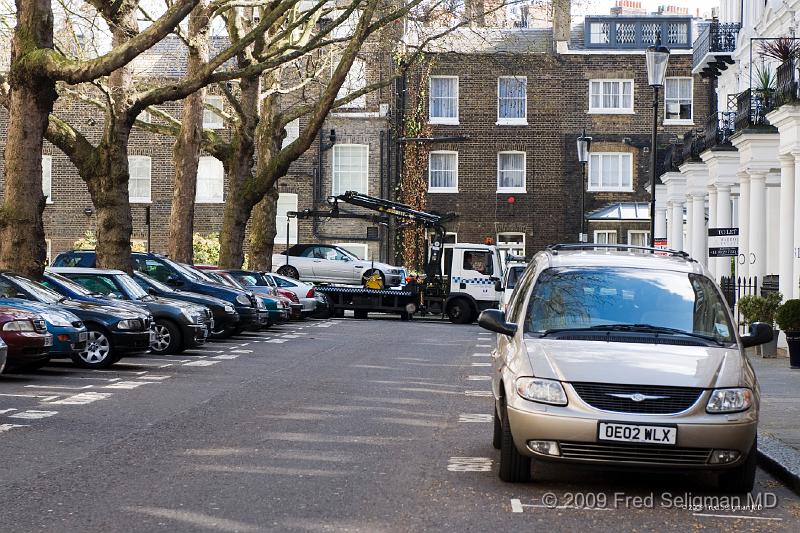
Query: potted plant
point(762, 309)
point(788, 318)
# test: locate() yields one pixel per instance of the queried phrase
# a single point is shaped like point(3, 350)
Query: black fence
point(734, 288)
point(787, 89)
point(752, 108)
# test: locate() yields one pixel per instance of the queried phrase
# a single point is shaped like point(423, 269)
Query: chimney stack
point(562, 20)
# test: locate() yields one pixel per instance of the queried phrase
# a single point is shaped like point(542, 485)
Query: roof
point(84, 270)
point(168, 57)
point(623, 259)
point(494, 41)
point(622, 211)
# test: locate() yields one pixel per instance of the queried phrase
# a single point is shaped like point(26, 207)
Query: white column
point(661, 222)
point(676, 237)
point(796, 248)
point(713, 263)
point(669, 216)
point(699, 232)
point(743, 261)
point(758, 225)
point(773, 221)
point(687, 243)
point(786, 230)
point(724, 221)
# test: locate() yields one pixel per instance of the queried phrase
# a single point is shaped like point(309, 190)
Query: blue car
point(69, 333)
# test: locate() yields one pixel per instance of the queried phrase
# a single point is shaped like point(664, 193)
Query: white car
point(303, 291)
point(326, 263)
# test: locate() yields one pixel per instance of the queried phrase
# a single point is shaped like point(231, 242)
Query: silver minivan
point(611, 356)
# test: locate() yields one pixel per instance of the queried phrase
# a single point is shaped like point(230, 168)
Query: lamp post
point(656, 58)
point(584, 148)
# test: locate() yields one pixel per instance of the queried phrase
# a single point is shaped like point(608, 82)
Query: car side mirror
point(495, 320)
point(760, 333)
point(172, 279)
point(498, 285)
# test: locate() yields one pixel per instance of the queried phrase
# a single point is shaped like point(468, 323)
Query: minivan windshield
point(627, 299)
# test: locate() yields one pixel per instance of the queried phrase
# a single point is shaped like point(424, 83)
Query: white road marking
point(479, 378)
point(483, 345)
point(215, 351)
point(288, 336)
point(469, 464)
point(59, 387)
point(238, 351)
point(481, 393)
point(139, 365)
point(245, 344)
point(201, 363)
point(481, 364)
point(43, 398)
point(82, 398)
point(107, 380)
point(474, 417)
point(4, 411)
point(9, 427)
point(127, 385)
point(33, 414)
point(481, 355)
point(156, 378)
point(276, 341)
point(226, 356)
point(516, 505)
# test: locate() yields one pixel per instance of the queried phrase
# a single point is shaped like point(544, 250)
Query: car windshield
point(658, 301)
point(40, 292)
point(200, 274)
point(74, 287)
point(514, 273)
point(153, 282)
point(250, 279)
point(188, 272)
point(133, 289)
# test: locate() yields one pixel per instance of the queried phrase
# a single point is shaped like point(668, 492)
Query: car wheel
point(497, 437)
point(459, 311)
point(168, 338)
point(740, 480)
point(514, 467)
point(99, 352)
point(289, 272)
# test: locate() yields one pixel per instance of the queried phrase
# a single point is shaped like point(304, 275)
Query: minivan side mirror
point(495, 320)
point(760, 333)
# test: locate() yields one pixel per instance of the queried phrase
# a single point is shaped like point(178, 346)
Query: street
point(338, 425)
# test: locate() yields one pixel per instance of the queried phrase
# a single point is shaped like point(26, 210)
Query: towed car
point(112, 331)
point(178, 325)
point(69, 333)
point(325, 263)
point(26, 336)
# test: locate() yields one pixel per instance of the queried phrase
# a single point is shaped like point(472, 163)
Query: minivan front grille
point(652, 399)
point(641, 454)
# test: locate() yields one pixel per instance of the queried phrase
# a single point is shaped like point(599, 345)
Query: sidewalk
point(779, 425)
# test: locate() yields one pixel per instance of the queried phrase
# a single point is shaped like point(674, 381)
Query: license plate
point(48, 341)
point(83, 336)
point(612, 431)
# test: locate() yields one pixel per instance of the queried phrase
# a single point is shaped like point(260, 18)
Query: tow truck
point(460, 281)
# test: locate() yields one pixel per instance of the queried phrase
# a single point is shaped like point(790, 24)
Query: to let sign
point(723, 242)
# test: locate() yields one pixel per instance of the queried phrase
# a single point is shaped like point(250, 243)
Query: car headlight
point(130, 324)
point(56, 320)
point(243, 299)
point(18, 325)
point(229, 309)
point(729, 400)
point(542, 390)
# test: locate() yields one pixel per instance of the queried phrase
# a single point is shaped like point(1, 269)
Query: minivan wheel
point(168, 338)
point(740, 479)
point(459, 311)
point(514, 467)
point(98, 352)
point(497, 437)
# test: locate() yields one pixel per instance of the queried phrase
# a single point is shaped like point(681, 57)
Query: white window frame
point(348, 245)
point(679, 121)
point(602, 188)
point(142, 199)
point(365, 185)
point(145, 116)
point(47, 177)
point(504, 248)
point(292, 132)
point(453, 121)
point(606, 232)
point(48, 245)
point(217, 123)
point(644, 232)
point(280, 220)
point(501, 121)
point(442, 189)
point(522, 189)
point(211, 199)
point(612, 110)
point(352, 83)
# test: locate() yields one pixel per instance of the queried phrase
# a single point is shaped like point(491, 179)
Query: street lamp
point(656, 58)
point(584, 147)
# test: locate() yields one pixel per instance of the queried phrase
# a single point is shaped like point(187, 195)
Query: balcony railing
point(719, 128)
point(751, 109)
point(788, 83)
point(715, 39)
point(637, 32)
point(692, 146)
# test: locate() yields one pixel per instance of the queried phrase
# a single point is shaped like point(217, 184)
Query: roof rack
point(555, 248)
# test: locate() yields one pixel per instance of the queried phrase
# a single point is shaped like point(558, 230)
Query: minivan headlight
point(729, 400)
point(243, 299)
point(542, 390)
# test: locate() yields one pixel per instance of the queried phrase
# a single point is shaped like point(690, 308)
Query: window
point(443, 101)
point(144, 116)
point(210, 180)
point(678, 100)
point(598, 33)
point(511, 172)
point(511, 243)
point(605, 236)
point(286, 202)
point(443, 172)
point(48, 244)
point(512, 100)
point(212, 120)
point(355, 80)
point(47, 177)
point(638, 237)
point(292, 132)
point(358, 249)
point(610, 172)
point(350, 168)
point(480, 262)
point(324, 252)
point(611, 96)
point(139, 182)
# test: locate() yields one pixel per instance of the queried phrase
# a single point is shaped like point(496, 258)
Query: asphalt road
point(340, 425)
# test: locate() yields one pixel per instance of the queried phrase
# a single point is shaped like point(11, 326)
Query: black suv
point(176, 275)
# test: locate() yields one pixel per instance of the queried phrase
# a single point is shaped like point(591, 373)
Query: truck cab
point(474, 273)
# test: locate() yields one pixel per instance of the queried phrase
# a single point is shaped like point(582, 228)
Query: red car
point(27, 338)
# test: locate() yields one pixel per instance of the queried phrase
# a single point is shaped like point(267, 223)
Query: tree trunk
point(186, 152)
point(22, 247)
point(263, 231)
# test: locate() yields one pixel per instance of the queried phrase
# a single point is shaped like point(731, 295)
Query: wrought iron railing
point(692, 146)
point(719, 128)
point(787, 88)
point(637, 32)
point(751, 109)
point(715, 38)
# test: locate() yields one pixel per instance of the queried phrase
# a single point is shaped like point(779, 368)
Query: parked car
point(177, 276)
point(178, 325)
point(331, 264)
point(277, 308)
point(304, 292)
point(3, 355)
point(513, 273)
point(263, 313)
point(224, 314)
point(26, 336)
point(76, 291)
point(623, 359)
point(69, 333)
point(112, 331)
